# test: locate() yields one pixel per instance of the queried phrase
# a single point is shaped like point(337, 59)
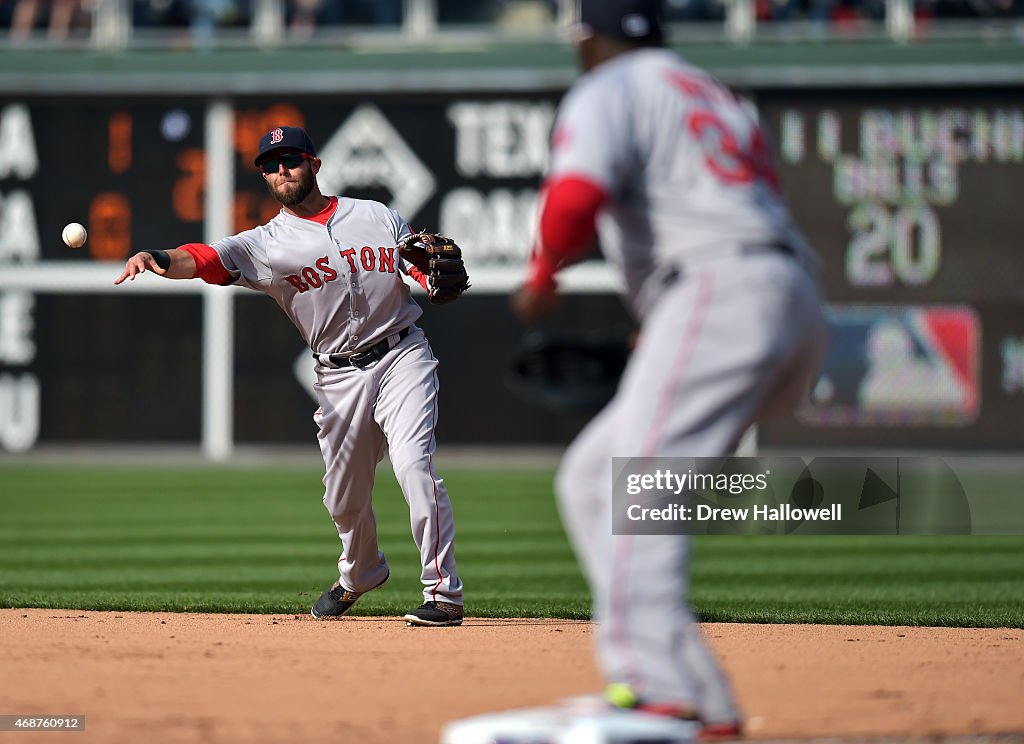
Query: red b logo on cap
point(276, 136)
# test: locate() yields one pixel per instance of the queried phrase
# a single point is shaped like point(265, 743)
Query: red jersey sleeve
point(209, 267)
point(567, 227)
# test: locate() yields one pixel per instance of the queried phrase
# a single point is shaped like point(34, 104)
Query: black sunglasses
point(288, 160)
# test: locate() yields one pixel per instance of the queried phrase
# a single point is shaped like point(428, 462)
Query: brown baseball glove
point(441, 260)
point(569, 371)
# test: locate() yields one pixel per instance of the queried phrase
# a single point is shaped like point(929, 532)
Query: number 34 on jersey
point(726, 155)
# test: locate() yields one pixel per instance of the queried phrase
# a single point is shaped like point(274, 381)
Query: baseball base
point(570, 724)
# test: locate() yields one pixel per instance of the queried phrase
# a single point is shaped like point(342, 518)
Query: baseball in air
point(74, 235)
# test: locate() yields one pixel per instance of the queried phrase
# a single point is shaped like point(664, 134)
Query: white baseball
point(74, 235)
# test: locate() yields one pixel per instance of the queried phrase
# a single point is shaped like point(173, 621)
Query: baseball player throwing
point(675, 176)
point(334, 265)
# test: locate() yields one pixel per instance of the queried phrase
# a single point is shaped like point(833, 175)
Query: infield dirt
point(264, 678)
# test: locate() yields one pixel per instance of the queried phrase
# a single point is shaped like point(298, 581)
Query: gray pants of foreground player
point(391, 404)
point(725, 344)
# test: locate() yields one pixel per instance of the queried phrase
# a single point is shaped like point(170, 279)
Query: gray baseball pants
point(728, 343)
point(390, 406)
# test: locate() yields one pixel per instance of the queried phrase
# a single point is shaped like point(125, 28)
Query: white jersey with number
point(340, 283)
point(687, 167)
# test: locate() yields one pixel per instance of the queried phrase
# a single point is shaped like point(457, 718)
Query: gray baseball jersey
point(731, 329)
point(684, 162)
point(338, 282)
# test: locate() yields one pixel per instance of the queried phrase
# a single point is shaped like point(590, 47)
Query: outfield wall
point(909, 192)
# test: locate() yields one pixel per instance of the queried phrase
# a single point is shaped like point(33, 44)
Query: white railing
point(112, 28)
point(218, 314)
point(419, 18)
point(899, 19)
point(740, 21)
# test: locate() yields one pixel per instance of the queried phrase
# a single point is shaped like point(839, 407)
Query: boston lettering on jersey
point(365, 258)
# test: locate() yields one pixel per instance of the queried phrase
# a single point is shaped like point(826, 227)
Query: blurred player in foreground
point(335, 267)
point(675, 175)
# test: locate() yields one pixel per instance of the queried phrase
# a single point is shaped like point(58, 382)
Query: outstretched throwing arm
point(172, 264)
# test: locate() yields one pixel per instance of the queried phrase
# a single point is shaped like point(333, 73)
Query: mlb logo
point(898, 366)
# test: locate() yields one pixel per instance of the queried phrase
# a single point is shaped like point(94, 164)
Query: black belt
point(361, 359)
point(778, 247)
point(674, 271)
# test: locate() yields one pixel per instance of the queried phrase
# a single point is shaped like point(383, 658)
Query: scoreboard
point(130, 171)
point(909, 199)
point(912, 199)
point(913, 202)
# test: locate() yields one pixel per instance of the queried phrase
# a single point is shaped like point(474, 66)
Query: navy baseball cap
point(625, 20)
point(292, 139)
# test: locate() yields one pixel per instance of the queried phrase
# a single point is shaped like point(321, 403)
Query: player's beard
point(292, 193)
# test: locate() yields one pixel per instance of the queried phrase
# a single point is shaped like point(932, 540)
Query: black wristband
point(162, 258)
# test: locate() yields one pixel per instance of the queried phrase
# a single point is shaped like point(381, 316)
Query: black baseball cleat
point(436, 614)
point(334, 602)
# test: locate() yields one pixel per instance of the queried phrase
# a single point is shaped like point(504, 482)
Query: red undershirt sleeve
point(567, 227)
point(209, 267)
point(419, 276)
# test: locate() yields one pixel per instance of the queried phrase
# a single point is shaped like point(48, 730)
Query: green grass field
point(259, 540)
